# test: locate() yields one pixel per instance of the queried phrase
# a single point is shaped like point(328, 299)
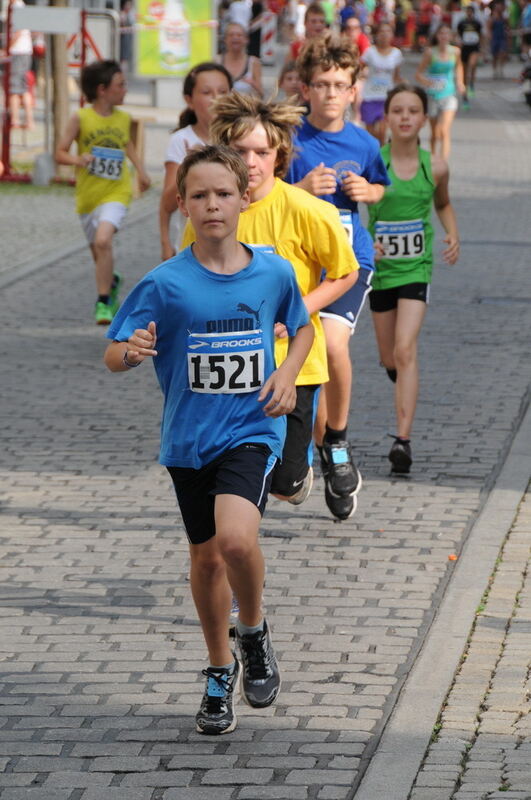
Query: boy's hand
point(357, 188)
point(283, 394)
point(142, 344)
point(320, 180)
point(144, 181)
point(451, 254)
point(84, 159)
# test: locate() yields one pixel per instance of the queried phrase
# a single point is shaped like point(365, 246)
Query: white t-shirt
point(180, 143)
point(240, 12)
point(381, 72)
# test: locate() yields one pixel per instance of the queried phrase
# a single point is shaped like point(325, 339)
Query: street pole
point(60, 100)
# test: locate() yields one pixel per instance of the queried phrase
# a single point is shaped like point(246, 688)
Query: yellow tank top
point(107, 179)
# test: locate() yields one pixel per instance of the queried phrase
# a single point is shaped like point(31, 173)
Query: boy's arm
point(445, 210)
point(62, 156)
point(143, 177)
point(328, 291)
point(281, 383)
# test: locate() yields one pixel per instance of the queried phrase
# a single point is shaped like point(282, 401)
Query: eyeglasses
point(340, 88)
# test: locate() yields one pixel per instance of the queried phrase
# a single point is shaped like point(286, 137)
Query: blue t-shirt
point(350, 149)
point(215, 349)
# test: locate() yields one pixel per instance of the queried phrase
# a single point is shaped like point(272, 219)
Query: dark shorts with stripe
point(245, 471)
point(347, 308)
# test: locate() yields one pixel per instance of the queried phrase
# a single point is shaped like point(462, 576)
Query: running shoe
point(260, 670)
point(391, 374)
point(340, 507)
point(115, 292)
point(342, 475)
point(400, 456)
point(471, 91)
point(216, 713)
point(300, 496)
point(103, 313)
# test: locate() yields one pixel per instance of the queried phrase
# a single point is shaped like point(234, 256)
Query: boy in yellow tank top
point(103, 180)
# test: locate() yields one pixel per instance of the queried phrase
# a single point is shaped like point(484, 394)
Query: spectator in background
point(127, 21)
point(525, 22)
point(239, 12)
point(351, 29)
point(255, 28)
point(499, 35)
point(21, 52)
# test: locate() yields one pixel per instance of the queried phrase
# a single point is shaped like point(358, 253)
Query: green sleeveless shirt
point(401, 221)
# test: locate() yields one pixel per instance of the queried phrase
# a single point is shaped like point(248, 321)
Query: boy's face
point(329, 93)
point(291, 83)
point(314, 25)
point(213, 201)
point(114, 93)
point(260, 158)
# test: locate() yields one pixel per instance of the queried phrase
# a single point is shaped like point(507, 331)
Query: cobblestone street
point(100, 647)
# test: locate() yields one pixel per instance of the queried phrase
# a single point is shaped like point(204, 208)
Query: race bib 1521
point(401, 239)
point(107, 163)
point(225, 363)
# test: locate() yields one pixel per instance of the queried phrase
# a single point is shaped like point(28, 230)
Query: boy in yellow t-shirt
point(304, 230)
point(103, 181)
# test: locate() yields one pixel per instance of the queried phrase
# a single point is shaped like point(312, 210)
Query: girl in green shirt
point(401, 227)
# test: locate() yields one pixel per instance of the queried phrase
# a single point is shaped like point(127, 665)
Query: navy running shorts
point(387, 299)
point(245, 471)
point(297, 454)
point(347, 308)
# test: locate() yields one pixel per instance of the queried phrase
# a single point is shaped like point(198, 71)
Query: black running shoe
point(340, 507)
point(216, 713)
point(260, 671)
point(391, 374)
point(342, 475)
point(400, 456)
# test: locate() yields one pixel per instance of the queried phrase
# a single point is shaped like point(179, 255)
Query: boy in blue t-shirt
point(340, 163)
point(210, 313)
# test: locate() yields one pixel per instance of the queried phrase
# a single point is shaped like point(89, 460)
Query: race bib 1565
point(107, 163)
point(225, 363)
point(401, 239)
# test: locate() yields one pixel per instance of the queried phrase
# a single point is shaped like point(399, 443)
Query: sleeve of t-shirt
point(366, 57)
point(375, 171)
point(292, 312)
point(399, 58)
point(176, 150)
point(142, 305)
point(326, 240)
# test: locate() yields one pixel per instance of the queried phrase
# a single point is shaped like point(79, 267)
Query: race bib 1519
point(225, 363)
point(401, 239)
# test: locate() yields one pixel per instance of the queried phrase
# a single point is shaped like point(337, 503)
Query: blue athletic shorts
point(347, 308)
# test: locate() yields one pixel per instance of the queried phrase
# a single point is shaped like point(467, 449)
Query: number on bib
point(107, 163)
point(401, 239)
point(225, 363)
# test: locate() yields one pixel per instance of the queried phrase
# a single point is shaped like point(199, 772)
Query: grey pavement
point(100, 647)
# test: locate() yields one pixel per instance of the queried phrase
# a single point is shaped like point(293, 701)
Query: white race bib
point(107, 163)
point(401, 239)
point(348, 223)
point(470, 37)
point(225, 363)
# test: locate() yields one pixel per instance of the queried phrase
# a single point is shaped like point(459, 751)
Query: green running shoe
point(103, 313)
point(114, 300)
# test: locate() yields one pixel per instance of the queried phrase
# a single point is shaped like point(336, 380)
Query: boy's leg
point(212, 597)
point(293, 476)
point(339, 387)
point(103, 257)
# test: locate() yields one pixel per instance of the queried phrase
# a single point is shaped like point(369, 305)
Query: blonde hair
point(328, 52)
point(213, 154)
point(236, 115)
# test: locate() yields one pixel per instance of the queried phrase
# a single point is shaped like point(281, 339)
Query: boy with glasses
point(340, 163)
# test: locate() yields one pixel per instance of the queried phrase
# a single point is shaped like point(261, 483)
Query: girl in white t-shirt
point(203, 84)
point(382, 72)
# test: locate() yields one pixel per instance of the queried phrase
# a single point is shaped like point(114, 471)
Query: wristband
point(128, 363)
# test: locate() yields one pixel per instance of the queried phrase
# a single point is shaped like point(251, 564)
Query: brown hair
point(314, 8)
point(407, 87)
point(99, 73)
point(188, 117)
point(235, 115)
point(328, 52)
point(213, 154)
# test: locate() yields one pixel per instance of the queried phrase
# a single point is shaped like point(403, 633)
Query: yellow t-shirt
point(307, 232)
point(107, 179)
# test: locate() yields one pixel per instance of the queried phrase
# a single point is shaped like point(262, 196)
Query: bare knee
point(102, 244)
point(235, 547)
point(207, 565)
point(405, 354)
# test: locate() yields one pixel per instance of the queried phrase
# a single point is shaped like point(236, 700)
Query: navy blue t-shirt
point(350, 149)
point(215, 345)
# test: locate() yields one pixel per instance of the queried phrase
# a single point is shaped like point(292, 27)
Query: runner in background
point(382, 70)
point(498, 32)
point(245, 70)
point(314, 26)
point(440, 72)
point(470, 38)
point(203, 84)
point(289, 84)
point(401, 226)
point(352, 31)
point(103, 182)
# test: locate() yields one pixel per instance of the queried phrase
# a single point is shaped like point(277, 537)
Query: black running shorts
point(387, 299)
point(291, 471)
point(244, 471)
